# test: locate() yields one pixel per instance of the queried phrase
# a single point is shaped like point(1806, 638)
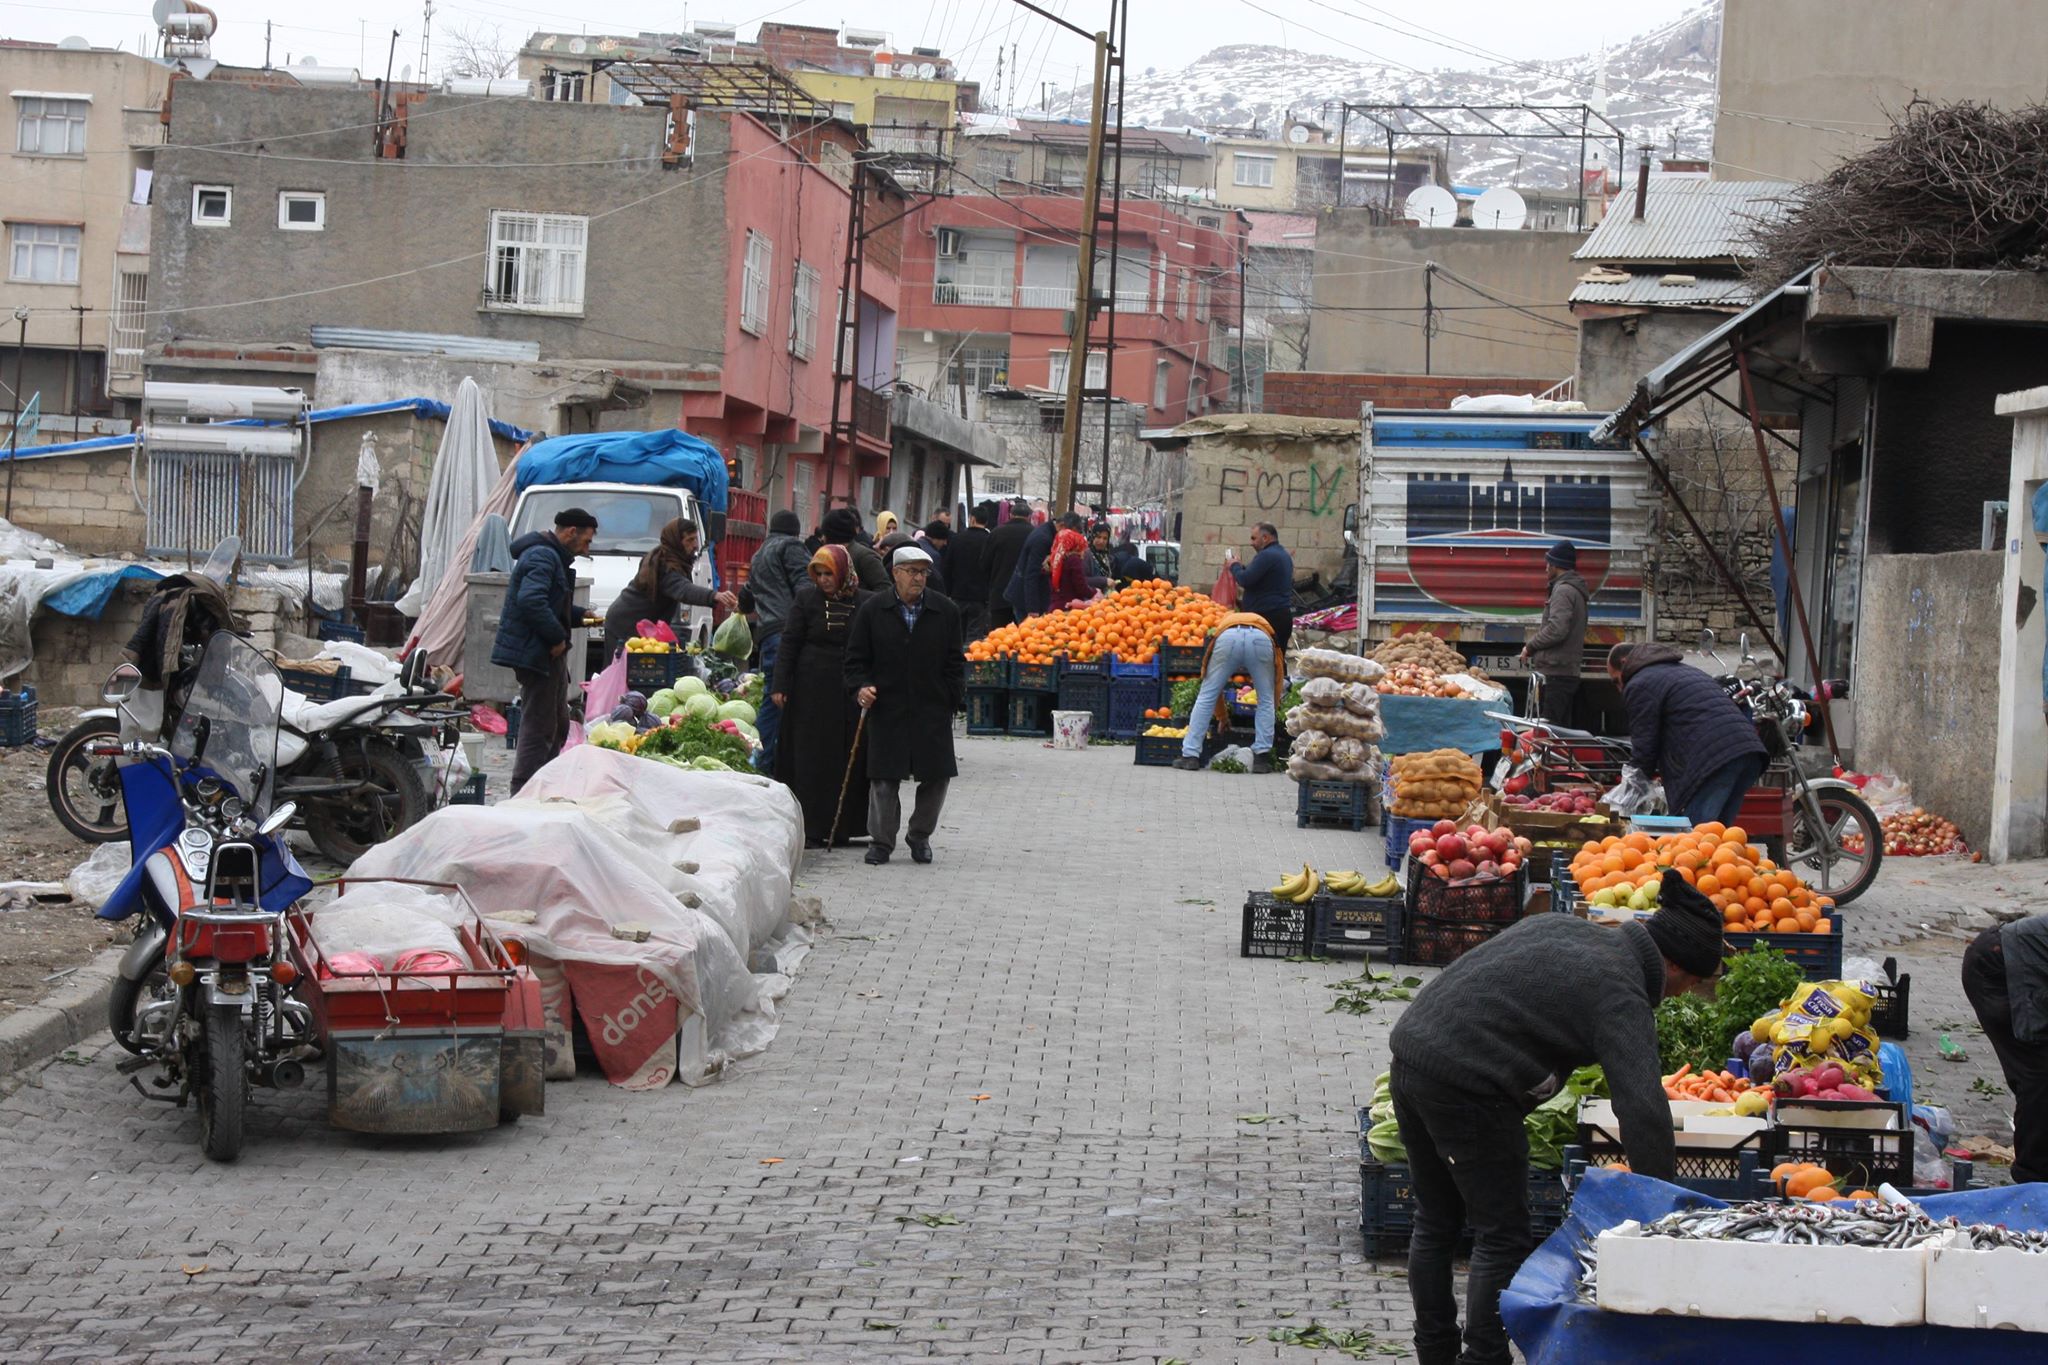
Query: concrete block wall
point(81, 501)
point(1313, 393)
point(1234, 482)
point(73, 656)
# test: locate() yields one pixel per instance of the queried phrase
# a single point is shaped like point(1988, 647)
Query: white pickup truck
point(629, 521)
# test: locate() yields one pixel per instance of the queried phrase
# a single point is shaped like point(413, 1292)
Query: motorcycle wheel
point(1844, 875)
point(225, 1098)
point(85, 790)
point(127, 998)
point(345, 829)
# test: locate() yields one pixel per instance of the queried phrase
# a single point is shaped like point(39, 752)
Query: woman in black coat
point(819, 718)
point(661, 588)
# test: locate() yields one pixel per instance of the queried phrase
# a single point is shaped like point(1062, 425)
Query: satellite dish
point(1432, 206)
point(73, 44)
point(163, 10)
point(1499, 209)
point(1297, 134)
point(577, 46)
point(927, 70)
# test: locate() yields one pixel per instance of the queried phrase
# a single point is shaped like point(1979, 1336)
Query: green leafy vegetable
point(1226, 765)
point(1690, 1033)
point(1754, 984)
point(1184, 693)
point(692, 738)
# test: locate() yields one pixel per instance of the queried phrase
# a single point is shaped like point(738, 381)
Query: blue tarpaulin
point(672, 458)
point(424, 407)
point(1418, 724)
point(88, 596)
point(1550, 1322)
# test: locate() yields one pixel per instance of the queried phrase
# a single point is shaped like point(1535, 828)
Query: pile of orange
point(1158, 713)
point(1753, 894)
point(1804, 1180)
point(1128, 623)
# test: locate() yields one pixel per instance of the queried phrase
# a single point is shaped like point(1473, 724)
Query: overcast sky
point(1165, 34)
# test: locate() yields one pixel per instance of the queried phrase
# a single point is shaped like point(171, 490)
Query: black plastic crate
point(1030, 714)
point(1863, 1157)
point(991, 673)
point(1398, 830)
point(1181, 661)
point(650, 673)
point(1082, 668)
point(1386, 1202)
point(1357, 924)
point(17, 718)
point(512, 726)
point(1274, 927)
point(1819, 955)
point(1427, 941)
point(1889, 1000)
point(1730, 1175)
point(1158, 751)
point(1497, 901)
point(471, 792)
point(1034, 677)
point(1345, 805)
point(317, 684)
point(1129, 699)
point(988, 710)
point(1087, 692)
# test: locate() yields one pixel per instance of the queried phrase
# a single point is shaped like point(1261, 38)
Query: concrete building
point(1012, 155)
point(75, 198)
point(1468, 302)
point(937, 459)
point(636, 280)
point(1805, 84)
point(1279, 300)
point(1303, 169)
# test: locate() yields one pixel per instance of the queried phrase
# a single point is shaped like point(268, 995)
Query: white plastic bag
point(1631, 796)
point(1236, 751)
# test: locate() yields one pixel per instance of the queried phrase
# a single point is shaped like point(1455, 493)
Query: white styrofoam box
point(1996, 1288)
point(1724, 1125)
point(1809, 1113)
point(1774, 1283)
point(1691, 1124)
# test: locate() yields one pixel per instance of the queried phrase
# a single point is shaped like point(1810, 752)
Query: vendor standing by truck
point(1557, 650)
point(1266, 585)
point(661, 588)
point(1493, 1037)
point(533, 635)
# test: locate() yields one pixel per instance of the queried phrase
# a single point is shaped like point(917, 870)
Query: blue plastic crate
point(1399, 829)
point(17, 718)
point(993, 673)
point(318, 685)
point(1347, 805)
point(1087, 692)
point(1030, 714)
point(1819, 955)
point(1129, 700)
point(988, 710)
point(1386, 1206)
point(341, 630)
point(1118, 668)
point(649, 673)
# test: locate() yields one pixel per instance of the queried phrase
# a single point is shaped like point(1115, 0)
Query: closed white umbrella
point(465, 471)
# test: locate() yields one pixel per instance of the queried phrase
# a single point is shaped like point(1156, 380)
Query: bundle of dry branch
point(1958, 186)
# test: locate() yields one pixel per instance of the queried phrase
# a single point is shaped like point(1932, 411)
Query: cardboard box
point(1753, 1280)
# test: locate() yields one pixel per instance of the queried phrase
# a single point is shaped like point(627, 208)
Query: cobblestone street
point(1046, 1044)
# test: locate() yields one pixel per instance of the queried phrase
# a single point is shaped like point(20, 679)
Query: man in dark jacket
point(777, 570)
point(1266, 585)
point(2005, 975)
point(1557, 649)
point(1030, 591)
point(1005, 547)
point(966, 569)
point(905, 667)
point(533, 635)
point(1498, 1034)
point(841, 526)
point(1128, 563)
point(1682, 726)
point(936, 536)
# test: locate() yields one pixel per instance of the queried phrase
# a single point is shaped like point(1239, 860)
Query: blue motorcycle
point(204, 992)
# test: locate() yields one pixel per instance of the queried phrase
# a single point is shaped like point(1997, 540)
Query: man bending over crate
point(1495, 1036)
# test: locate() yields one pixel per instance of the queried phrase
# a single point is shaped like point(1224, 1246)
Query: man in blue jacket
point(1266, 585)
point(533, 635)
point(1683, 726)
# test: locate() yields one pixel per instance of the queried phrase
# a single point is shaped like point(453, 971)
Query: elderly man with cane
point(905, 666)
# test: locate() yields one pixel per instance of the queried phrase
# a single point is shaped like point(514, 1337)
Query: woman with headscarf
point(819, 717)
point(886, 523)
point(661, 588)
point(1068, 567)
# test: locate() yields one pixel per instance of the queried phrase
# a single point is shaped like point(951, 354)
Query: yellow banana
point(1290, 885)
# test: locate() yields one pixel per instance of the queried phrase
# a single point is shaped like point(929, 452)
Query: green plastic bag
point(733, 639)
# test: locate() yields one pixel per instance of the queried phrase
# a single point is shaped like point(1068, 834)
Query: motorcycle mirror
point(1746, 655)
point(278, 818)
point(1707, 640)
point(121, 684)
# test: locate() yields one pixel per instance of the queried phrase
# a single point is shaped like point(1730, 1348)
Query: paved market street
point(1046, 1044)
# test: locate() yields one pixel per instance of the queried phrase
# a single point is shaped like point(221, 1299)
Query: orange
point(1823, 1194)
point(1707, 885)
point(1803, 1183)
point(1735, 834)
point(1734, 915)
point(1824, 926)
point(1807, 919)
point(1713, 827)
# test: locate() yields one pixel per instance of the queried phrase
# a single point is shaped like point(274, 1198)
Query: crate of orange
point(1759, 901)
point(1132, 623)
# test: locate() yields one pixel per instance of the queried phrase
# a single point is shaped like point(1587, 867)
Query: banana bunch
point(1355, 884)
point(1299, 887)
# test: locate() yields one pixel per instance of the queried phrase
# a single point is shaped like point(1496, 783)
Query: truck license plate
point(1498, 664)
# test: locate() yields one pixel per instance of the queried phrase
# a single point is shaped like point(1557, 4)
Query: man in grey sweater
point(1495, 1036)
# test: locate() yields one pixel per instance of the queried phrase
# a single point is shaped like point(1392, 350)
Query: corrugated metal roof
point(1686, 220)
point(422, 343)
point(1665, 289)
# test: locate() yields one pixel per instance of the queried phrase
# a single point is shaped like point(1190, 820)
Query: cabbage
point(690, 685)
point(736, 710)
point(700, 704)
point(609, 734)
point(664, 701)
point(753, 736)
point(705, 763)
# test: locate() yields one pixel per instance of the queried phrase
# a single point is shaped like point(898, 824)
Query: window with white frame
point(1202, 301)
point(1162, 375)
point(1180, 294)
point(1254, 169)
point(51, 125)
point(43, 253)
point(212, 205)
point(302, 210)
point(975, 368)
point(564, 86)
point(979, 271)
point(128, 335)
point(536, 262)
point(754, 283)
point(803, 314)
point(1096, 377)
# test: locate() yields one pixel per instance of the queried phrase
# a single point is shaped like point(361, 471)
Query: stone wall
point(1301, 481)
point(1714, 465)
point(73, 656)
point(83, 502)
point(1322, 394)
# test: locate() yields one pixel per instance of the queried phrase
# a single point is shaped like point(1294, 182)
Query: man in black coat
point(1683, 726)
point(905, 666)
point(965, 565)
point(533, 635)
point(1005, 546)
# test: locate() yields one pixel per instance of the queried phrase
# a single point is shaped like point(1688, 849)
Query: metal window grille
point(44, 253)
point(754, 284)
point(536, 262)
point(197, 497)
point(46, 127)
point(128, 331)
point(803, 314)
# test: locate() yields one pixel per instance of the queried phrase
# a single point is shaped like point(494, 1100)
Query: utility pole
point(1428, 310)
point(14, 428)
point(77, 365)
point(1084, 287)
point(266, 45)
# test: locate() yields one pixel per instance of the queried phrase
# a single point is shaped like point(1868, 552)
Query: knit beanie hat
point(1564, 554)
point(1686, 927)
point(785, 523)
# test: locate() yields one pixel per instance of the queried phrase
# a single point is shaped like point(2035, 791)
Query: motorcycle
point(1832, 838)
point(203, 993)
point(358, 769)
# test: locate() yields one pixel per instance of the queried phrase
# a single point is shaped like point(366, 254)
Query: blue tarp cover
point(425, 407)
point(672, 458)
point(88, 596)
point(1419, 724)
point(1550, 1322)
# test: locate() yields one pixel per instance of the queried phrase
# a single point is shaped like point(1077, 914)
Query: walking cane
point(852, 756)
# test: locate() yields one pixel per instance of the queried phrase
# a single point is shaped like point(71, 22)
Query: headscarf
point(668, 555)
point(834, 560)
point(1064, 544)
point(885, 522)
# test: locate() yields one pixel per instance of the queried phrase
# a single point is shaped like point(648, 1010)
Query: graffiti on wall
point(1306, 490)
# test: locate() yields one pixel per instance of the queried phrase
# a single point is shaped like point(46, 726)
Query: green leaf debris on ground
point(930, 1220)
point(1315, 1336)
point(1358, 994)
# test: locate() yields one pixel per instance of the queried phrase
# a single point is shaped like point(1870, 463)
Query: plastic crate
point(1819, 955)
point(1357, 924)
point(1129, 699)
point(1386, 1202)
point(993, 673)
point(341, 630)
point(1345, 805)
point(1565, 897)
point(651, 672)
point(1889, 1000)
point(1158, 751)
point(1497, 901)
point(1083, 668)
point(1801, 1131)
point(1121, 668)
point(1427, 941)
point(317, 684)
point(471, 792)
point(1730, 1174)
point(1034, 677)
point(988, 710)
point(1030, 714)
point(1399, 829)
point(1274, 927)
point(1180, 661)
point(1087, 692)
point(17, 718)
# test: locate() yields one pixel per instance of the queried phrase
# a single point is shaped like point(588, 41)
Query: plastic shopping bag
point(1225, 591)
point(1632, 796)
point(733, 639)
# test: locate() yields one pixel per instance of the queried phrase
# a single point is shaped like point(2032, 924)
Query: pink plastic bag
point(429, 960)
point(353, 964)
point(487, 719)
point(603, 691)
point(1225, 591)
point(655, 630)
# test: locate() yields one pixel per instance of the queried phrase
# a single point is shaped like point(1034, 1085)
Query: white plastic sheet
point(465, 468)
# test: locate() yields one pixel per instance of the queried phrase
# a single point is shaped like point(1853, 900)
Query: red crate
point(465, 998)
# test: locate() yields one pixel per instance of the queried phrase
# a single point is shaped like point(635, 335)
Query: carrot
point(1681, 1073)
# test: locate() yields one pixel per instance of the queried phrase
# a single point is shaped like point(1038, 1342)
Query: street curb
point(76, 1009)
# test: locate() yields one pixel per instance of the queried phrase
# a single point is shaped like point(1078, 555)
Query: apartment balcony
point(871, 412)
point(1061, 296)
point(973, 295)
